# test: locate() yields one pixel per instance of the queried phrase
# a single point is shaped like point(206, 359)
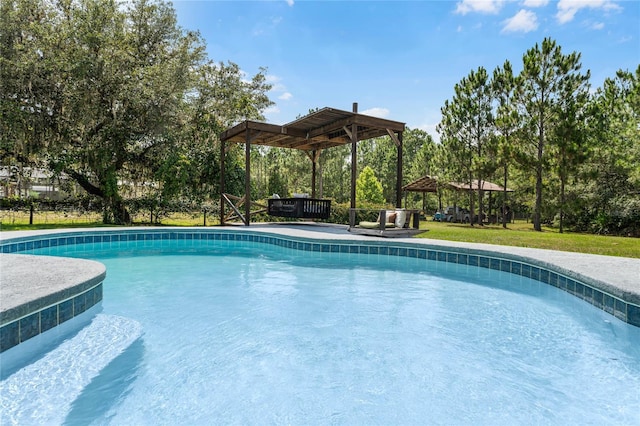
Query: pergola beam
point(394, 137)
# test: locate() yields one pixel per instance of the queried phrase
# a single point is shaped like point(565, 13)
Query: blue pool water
point(251, 333)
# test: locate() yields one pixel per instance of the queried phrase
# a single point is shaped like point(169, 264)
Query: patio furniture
point(303, 208)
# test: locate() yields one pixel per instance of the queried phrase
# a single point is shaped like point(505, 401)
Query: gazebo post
point(247, 178)
point(222, 167)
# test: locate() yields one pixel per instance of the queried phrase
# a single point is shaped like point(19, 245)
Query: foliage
point(611, 188)
point(368, 188)
point(118, 98)
point(117, 92)
point(506, 123)
point(549, 80)
point(467, 126)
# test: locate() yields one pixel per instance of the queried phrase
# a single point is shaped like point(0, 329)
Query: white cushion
point(401, 218)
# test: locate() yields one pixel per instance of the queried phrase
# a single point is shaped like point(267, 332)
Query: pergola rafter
point(319, 130)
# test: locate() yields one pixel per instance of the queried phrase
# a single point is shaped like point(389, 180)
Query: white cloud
point(290, 2)
point(266, 26)
point(535, 3)
point(244, 77)
point(567, 9)
point(278, 87)
point(273, 109)
point(431, 129)
point(480, 6)
point(279, 90)
point(275, 82)
point(597, 26)
point(524, 21)
point(625, 39)
point(376, 112)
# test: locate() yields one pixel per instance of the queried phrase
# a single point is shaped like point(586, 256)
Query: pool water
point(250, 333)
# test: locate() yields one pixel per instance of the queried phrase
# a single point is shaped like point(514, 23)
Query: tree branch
point(84, 182)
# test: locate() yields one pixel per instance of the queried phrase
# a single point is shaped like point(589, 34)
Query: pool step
point(43, 392)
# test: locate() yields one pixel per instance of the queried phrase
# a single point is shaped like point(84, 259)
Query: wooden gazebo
point(423, 184)
point(322, 129)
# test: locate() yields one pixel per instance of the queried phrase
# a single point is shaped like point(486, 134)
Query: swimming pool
point(265, 329)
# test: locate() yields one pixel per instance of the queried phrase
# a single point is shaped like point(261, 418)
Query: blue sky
point(401, 59)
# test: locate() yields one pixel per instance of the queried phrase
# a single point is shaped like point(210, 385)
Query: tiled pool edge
point(623, 305)
point(40, 321)
point(40, 294)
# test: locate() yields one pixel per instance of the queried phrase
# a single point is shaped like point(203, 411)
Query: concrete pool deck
point(29, 281)
point(619, 276)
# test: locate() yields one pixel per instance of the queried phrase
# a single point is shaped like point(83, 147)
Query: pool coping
point(40, 293)
point(584, 275)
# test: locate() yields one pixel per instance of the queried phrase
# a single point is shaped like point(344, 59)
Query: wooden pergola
point(322, 129)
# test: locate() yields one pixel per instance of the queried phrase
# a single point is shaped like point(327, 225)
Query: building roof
point(325, 128)
point(486, 186)
point(430, 184)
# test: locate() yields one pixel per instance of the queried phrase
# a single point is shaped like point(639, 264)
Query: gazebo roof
point(423, 184)
point(321, 129)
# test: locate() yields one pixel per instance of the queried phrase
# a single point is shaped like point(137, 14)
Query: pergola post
point(314, 161)
point(222, 167)
point(247, 178)
point(399, 172)
point(354, 158)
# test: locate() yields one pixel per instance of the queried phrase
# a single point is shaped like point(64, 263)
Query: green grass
point(61, 225)
point(19, 221)
point(521, 234)
point(518, 234)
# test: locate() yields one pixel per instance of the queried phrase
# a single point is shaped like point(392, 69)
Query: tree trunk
point(538, 207)
point(471, 204)
point(562, 179)
point(116, 212)
point(471, 195)
point(480, 202)
point(504, 197)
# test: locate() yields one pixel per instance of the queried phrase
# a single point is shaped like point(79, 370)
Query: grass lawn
point(19, 221)
point(521, 234)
